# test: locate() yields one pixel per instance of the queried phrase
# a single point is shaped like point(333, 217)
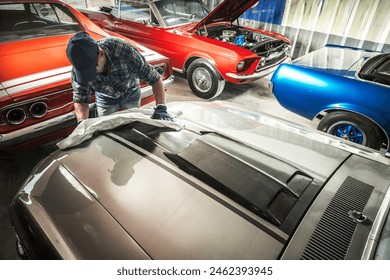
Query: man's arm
point(159, 91)
point(160, 111)
point(81, 111)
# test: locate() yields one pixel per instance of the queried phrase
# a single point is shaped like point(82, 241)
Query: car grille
point(332, 236)
point(273, 57)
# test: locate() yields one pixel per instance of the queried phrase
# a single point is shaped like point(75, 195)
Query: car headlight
point(245, 64)
point(240, 65)
point(287, 49)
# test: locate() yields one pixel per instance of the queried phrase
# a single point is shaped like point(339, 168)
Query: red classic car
point(205, 45)
point(35, 91)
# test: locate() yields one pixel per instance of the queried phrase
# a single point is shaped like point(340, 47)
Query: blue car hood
point(336, 60)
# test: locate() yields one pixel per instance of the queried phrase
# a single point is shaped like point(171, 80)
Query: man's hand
point(160, 113)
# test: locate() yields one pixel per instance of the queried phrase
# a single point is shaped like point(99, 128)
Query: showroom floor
point(13, 171)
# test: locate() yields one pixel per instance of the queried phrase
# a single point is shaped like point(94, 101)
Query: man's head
point(82, 52)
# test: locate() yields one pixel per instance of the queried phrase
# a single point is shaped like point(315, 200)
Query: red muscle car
point(205, 45)
point(35, 91)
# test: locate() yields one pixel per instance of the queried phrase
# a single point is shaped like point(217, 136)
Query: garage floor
point(14, 170)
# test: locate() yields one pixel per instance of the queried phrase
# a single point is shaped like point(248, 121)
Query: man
point(111, 68)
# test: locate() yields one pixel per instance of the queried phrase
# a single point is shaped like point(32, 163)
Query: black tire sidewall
point(370, 129)
point(215, 77)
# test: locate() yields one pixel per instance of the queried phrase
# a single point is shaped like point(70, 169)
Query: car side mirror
point(147, 22)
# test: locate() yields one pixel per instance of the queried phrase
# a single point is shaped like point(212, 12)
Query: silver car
point(220, 182)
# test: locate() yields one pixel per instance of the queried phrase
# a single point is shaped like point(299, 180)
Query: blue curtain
point(270, 11)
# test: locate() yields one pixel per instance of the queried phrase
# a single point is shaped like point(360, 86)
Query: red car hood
point(228, 10)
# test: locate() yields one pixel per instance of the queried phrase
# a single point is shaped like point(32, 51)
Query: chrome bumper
point(148, 90)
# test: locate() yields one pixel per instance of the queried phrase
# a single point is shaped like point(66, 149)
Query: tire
point(352, 127)
point(204, 79)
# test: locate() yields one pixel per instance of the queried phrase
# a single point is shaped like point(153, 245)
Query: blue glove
point(160, 113)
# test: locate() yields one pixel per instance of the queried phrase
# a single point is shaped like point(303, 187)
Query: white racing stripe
point(36, 80)
point(3, 93)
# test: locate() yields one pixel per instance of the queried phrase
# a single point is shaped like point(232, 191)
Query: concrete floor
point(14, 171)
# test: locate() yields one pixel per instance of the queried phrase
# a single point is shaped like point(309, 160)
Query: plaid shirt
point(126, 66)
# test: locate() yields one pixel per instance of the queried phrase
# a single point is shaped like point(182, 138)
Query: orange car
point(35, 91)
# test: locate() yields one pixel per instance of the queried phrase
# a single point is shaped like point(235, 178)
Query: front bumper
point(147, 91)
point(257, 75)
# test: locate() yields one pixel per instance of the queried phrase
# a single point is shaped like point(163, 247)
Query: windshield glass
point(176, 12)
point(31, 20)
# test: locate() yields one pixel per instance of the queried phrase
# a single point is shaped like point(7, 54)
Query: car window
point(133, 11)
point(32, 20)
point(176, 12)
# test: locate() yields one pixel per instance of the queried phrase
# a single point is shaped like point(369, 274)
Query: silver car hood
point(153, 201)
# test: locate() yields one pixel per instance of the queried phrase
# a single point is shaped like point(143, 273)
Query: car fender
point(365, 114)
point(195, 55)
point(308, 92)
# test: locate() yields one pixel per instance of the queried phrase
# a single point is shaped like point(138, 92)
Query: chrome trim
point(45, 109)
point(178, 70)
point(259, 75)
point(15, 122)
point(148, 90)
point(373, 238)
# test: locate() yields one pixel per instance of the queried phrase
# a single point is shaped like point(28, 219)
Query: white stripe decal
point(36, 76)
point(3, 93)
point(38, 83)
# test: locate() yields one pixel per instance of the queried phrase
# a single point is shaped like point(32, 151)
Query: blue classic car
point(347, 89)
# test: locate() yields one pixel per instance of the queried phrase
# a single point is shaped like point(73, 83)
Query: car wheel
point(204, 79)
point(352, 127)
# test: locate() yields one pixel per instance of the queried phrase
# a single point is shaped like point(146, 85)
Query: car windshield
point(177, 12)
point(20, 21)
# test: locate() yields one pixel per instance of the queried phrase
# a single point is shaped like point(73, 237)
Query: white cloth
point(88, 127)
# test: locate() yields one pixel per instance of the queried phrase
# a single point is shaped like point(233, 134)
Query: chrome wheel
point(202, 79)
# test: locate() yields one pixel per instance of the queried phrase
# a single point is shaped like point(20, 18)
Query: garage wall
point(310, 24)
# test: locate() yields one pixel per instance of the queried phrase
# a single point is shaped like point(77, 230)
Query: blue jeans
point(106, 106)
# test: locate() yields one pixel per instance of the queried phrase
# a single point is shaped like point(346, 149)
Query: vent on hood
point(260, 182)
point(332, 236)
